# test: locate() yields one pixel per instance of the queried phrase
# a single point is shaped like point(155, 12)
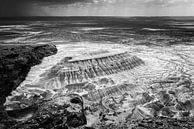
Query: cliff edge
point(15, 63)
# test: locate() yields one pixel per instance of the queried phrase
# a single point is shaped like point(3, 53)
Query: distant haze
point(96, 8)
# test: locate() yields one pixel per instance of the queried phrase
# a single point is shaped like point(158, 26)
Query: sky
point(96, 8)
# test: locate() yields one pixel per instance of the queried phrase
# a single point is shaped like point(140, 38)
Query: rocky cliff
point(15, 63)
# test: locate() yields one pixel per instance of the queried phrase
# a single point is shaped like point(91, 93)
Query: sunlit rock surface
point(118, 83)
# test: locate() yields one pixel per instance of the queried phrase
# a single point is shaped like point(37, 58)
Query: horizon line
point(87, 16)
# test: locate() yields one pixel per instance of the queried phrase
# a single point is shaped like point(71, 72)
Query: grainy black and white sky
point(96, 8)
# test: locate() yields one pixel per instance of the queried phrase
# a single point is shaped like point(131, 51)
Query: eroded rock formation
point(94, 89)
point(99, 94)
point(70, 71)
point(167, 100)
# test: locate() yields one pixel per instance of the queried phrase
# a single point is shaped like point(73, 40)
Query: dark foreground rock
point(15, 63)
point(165, 123)
point(62, 112)
point(152, 123)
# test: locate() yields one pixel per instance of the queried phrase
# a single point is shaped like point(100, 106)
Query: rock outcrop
point(62, 112)
point(15, 63)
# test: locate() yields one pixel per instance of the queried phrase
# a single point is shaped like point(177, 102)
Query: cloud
point(60, 1)
point(26, 7)
point(167, 2)
point(100, 7)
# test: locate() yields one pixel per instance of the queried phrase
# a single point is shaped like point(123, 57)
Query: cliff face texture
point(15, 63)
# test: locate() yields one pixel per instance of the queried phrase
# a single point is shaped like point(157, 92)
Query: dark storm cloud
point(12, 8)
point(56, 1)
point(43, 1)
point(23, 7)
point(61, 1)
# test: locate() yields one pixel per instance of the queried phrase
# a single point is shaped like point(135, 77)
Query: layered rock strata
point(97, 95)
point(70, 71)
